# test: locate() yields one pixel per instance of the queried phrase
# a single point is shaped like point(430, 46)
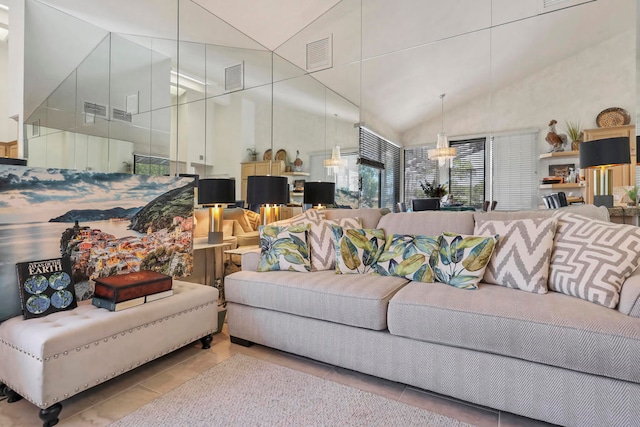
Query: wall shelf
point(559, 154)
point(295, 174)
point(559, 186)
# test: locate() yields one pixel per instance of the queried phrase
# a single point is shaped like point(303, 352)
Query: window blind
point(466, 175)
point(515, 183)
point(418, 168)
point(377, 152)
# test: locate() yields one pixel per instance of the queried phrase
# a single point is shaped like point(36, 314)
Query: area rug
point(244, 391)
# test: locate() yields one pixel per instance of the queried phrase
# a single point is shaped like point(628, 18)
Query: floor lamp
point(601, 155)
point(268, 192)
point(319, 194)
point(214, 193)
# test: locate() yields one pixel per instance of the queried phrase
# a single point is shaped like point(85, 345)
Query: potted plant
point(432, 190)
point(575, 133)
point(632, 194)
point(253, 153)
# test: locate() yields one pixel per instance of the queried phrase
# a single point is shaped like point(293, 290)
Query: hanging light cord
point(442, 115)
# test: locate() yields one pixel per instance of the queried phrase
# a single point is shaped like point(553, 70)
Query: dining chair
point(430, 204)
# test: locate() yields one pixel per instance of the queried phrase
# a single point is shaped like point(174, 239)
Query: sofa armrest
point(250, 260)
point(630, 295)
point(249, 239)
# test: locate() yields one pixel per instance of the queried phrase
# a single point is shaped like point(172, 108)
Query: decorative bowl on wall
point(613, 116)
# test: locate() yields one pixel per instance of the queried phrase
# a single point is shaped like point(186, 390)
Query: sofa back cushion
point(238, 214)
point(427, 223)
point(368, 217)
point(591, 211)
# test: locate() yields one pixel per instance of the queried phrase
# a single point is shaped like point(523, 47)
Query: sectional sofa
point(542, 353)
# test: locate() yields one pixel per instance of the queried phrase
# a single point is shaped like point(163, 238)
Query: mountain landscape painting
point(107, 223)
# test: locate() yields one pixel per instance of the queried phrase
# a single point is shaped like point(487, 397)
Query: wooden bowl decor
point(613, 116)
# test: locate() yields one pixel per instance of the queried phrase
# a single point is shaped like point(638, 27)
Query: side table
point(214, 249)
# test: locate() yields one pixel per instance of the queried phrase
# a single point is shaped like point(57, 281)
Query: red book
point(124, 287)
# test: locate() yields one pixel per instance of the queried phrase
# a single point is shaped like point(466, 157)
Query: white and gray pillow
point(592, 259)
point(523, 252)
point(321, 238)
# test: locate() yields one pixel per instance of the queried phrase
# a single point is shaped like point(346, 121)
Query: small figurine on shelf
point(555, 140)
point(297, 163)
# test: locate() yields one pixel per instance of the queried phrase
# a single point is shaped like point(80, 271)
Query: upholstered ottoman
point(49, 359)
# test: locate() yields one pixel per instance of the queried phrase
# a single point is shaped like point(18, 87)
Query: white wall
point(8, 127)
point(575, 89)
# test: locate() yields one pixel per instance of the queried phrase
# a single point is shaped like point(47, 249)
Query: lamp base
point(603, 200)
point(215, 237)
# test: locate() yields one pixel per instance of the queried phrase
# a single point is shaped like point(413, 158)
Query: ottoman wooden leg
point(12, 396)
point(49, 416)
point(206, 341)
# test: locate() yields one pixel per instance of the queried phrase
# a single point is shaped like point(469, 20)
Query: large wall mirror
point(187, 93)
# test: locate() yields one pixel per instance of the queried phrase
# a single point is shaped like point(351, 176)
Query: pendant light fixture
point(336, 162)
point(443, 153)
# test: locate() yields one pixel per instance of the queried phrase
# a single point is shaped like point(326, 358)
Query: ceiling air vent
point(97, 109)
point(121, 115)
point(234, 77)
point(550, 5)
point(320, 54)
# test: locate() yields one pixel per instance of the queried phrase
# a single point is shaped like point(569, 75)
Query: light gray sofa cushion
point(596, 212)
point(630, 295)
point(552, 328)
point(368, 217)
point(427, 223)
point(352, 299)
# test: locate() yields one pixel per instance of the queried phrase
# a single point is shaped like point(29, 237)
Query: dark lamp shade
point(267, 190)
point(605, 152)
point(216, 190)
point(319, 193)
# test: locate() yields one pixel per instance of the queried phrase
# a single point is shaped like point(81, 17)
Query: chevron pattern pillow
point(321, 239)
point(592, 259)
point(523, 252)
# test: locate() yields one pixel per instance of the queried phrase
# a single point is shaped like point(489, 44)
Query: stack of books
point(124, 291)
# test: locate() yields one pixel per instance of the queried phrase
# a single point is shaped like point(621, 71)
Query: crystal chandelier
point(443, 153)
point(334, 164)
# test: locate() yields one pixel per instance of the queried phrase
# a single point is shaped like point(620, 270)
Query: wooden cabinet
point(265, 167)
point(622, 175)
point(9, 149)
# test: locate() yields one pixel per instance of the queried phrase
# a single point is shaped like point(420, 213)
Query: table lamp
point(601, 155)
point(268, 192)
point(319, 194)
point(214, 193)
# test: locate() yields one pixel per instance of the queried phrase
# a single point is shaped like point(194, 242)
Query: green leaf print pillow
point(284, 248)
point(408, 255)
point(357, 249)
point(461, 260)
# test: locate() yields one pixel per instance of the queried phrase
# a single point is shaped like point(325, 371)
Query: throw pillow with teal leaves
point(284, 248)
point(461, 260)
point(408, 255)
point(357, 249)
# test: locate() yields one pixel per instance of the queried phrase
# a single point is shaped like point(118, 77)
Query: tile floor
point(114, 399)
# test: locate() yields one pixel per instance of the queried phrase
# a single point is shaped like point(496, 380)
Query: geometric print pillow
point(284, 248)
point(357, 249)
point(523, 252)
point(592, 259)
point(408, 256)
point(461, 260)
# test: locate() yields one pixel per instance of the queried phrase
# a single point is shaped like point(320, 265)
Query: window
point(466, 175)
point(149, 165)
point(515, 183)
point(418, 168)
point(376, 152)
